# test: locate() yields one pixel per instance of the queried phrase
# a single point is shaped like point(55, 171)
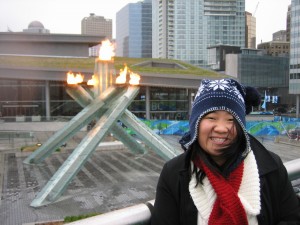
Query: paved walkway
point(109, 180)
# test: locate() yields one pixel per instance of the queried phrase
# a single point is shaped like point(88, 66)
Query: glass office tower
point(183, 29)
point(294, 82)
point(134, 30)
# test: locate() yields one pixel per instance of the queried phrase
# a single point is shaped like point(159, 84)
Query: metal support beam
point(60, 180)
point(155, 142)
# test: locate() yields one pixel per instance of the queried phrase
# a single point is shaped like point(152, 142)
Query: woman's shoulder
point(179, 162)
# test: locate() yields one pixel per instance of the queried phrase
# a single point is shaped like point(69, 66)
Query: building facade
point(250, 34)
point(268, 74)
point(294, 79)
point(97, 26)
point(217, 56)
point(275, 48)
point(134, 30)
point(184, 29)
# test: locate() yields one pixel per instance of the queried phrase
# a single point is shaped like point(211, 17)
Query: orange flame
point(72, 79)
point(121, 79)
point(79, 78)
point(106, 51)
point(91, 82)
point(134, 79)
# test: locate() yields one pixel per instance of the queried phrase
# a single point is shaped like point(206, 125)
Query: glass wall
point(164, 103)
point(28, 98)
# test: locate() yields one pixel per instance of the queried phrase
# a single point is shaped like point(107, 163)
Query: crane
point(255, 8)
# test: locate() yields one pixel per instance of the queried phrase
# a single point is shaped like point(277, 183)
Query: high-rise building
point(250, 35)
point(183, 29)
point(294, 81)
point(134, 30)
point(288, 24)
point(96, 25)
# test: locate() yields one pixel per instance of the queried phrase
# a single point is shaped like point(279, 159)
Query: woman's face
point(217, 131)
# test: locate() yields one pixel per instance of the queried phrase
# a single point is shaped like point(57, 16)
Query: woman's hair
point(233, 155)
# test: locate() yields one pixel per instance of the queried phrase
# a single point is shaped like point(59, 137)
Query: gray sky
point(64, 16)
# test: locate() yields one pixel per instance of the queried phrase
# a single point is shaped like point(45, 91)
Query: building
point(294, 79)
point(26, 92)
point(46, 44)
point(33, 79)
point(288, 24)
point(279, 35)
point(36, 27)
point(183, 30)
point(134, 30)
point(268, 74)
point(275, 48)
point(250, 34)
point(217, 56)
point(96, 26)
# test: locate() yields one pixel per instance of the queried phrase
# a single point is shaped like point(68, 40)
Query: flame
point(92, 81)
point(79, 78)
point(121, 79)
point(106, 51)
point(134, 79)
point(72, 79)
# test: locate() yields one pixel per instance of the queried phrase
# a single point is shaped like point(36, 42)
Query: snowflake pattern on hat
point(223, 84)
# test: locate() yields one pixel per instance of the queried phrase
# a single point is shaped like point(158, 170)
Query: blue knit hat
point(225, 94)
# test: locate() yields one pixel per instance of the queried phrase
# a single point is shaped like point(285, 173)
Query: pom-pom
point(252, 98)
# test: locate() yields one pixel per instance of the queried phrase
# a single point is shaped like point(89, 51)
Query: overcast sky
point(64, 16)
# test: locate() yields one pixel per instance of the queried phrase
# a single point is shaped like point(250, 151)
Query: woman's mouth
point(218, 140)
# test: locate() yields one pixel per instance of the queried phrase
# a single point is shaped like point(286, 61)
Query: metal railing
point(141, 213)
point(137, 214)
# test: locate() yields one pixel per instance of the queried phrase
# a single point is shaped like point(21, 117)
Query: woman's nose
point(221, 126)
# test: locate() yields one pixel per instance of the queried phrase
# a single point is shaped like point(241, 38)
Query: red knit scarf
point(227, 208)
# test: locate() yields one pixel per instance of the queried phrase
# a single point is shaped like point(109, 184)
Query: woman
point(225, 176)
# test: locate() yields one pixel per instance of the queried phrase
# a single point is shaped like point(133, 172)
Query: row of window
point(294, 76)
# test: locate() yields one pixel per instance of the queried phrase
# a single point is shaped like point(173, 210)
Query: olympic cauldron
point(105, 102)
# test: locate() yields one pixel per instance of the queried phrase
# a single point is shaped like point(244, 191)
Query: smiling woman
point(218, 179)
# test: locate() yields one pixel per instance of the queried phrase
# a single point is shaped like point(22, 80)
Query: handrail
point(293, 169)
point(137, 214)
point(141, 213)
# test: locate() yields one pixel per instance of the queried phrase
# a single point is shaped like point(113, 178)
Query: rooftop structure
point(36, 27)
point(45, 44)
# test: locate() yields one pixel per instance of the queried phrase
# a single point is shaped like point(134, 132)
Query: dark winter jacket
point(174, 205)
